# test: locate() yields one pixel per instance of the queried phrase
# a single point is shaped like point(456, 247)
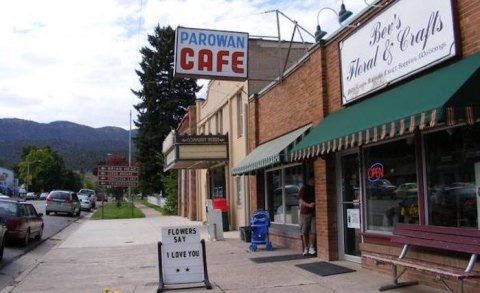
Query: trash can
point(221, 204)
point(246, 234)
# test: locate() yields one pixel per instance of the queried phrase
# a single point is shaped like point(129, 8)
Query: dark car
point(3, 236)
point(101, 197)
point(23, 221)
point(381, 188)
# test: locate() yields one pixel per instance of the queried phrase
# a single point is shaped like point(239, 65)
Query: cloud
point(75, 60)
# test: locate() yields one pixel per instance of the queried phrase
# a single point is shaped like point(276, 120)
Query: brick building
point(390, 133)
point(204, 171)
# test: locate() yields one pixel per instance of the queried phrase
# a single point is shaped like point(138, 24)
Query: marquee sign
point(211, 54)
point(406, 38)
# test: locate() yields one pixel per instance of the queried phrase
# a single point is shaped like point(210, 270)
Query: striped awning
point(269, 153)
point(450, 94)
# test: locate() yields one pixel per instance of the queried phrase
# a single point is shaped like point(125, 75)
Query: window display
point(452, 158)
point(391, 185)
point(283, 186)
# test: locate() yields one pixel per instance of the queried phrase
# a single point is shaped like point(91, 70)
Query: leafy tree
point(163, 102)
point(3, 162)
point(169, 181)
point(46, 170)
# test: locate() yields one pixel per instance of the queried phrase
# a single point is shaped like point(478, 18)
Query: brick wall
point(468, 16)
point(292, 103)
point(312, 91)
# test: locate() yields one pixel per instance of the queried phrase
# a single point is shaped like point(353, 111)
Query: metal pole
point(28, 174)
point(130, 156)
point(103, 200)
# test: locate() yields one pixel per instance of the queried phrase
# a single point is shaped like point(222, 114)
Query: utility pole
point(130, 156)
point(28, 172)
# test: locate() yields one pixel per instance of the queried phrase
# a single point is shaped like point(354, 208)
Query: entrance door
point(349, 207)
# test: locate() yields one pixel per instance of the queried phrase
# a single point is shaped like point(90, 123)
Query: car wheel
point(47, 213)
point(2, 246)
point(40, 233)
point(27, 238)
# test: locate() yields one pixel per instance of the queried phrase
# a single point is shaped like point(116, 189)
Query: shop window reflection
point(391, 185)
point(283, 199)
point(453, 176)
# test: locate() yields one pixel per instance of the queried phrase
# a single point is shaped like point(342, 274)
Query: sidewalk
point(122, 255)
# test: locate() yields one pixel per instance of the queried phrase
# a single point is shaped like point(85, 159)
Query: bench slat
point(444, 245)
point(452, 272)
point(463, 240)
point(467, 232)
point(445, 238)
point(437, 244)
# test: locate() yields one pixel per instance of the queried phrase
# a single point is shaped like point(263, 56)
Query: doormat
point(324, 268)
point(276, 258)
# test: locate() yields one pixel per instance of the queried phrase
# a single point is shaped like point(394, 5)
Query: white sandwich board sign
point(182, 256)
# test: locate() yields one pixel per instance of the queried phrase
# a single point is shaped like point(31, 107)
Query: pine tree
point(163, 102)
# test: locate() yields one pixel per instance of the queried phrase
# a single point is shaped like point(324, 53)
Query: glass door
point(349, 207)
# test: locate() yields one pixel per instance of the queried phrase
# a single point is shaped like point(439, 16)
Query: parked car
point(291, 196)
point(91, 194)
point(43, 195)
point(3, 236)
point(3, 196)
point(406, 189)
point(31, 196)
point(23, 221)
point(381, 188)
point(63, 201)
point(85, 203)
point(102, 197)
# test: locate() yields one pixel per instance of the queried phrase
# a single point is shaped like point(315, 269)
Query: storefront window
point(217, 179)
point(293, 183)
point(274, 192)
point(453, 176)
point(391, 185)
point(282, 195)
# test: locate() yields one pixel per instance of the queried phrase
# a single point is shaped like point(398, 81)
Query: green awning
point(269, 153)
point(447, 94)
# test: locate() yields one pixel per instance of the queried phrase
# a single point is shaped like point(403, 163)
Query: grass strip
point(111, 212)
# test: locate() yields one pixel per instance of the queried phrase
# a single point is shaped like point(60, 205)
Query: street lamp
point(28, 172)
point(342, 15)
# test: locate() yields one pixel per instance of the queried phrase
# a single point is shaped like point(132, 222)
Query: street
point(13, 252)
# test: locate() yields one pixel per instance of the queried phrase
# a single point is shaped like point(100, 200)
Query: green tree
point(169, 182)
point(46, 170)
point(163, 102)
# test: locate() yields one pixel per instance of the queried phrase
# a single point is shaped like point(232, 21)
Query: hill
point(80, 146)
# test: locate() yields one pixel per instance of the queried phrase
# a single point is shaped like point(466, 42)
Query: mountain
point(80, 146)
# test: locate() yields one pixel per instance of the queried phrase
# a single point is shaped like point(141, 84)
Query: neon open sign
point(375, 172)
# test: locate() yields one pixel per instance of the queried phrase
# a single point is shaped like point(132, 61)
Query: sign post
point(182, 258)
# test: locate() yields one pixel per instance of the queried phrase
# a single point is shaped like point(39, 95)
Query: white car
point(85, 203)
point(43, 195)
point(30, 195)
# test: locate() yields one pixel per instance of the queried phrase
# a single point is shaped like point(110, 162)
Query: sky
point(75, 60)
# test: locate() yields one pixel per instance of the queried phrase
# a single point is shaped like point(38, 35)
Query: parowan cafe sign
point(409, 36)
point(212, 54)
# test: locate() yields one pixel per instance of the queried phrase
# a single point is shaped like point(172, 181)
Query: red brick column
point(325, 202)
